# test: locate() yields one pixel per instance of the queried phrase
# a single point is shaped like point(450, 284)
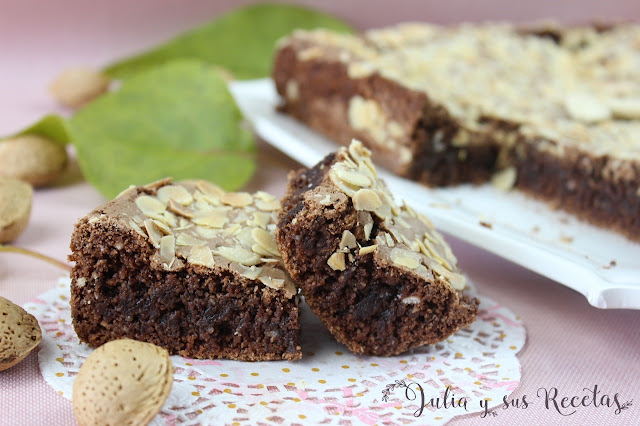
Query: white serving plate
point(603, 266)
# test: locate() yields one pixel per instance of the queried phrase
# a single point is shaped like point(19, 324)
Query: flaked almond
point(179, 209)
point(237, 199)
point(628, 109)
point(19, 333)
point(240, 255)
point(348, 240)
point(167, 248)
point(211, 218)
point(150, 206)
point(504, 179)
point(15, 208)
point(123, 382)
point(368, 249)
point(406, 258)
point(586, 108)
point(201, 256)
point(366, 199)
point(76, 86)
point(266, 240)
point(177, 193)
point(353, 177)
point(33, 159)
point(153, 232)
point(337, 262)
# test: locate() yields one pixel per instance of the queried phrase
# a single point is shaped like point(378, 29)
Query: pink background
point(571, 345)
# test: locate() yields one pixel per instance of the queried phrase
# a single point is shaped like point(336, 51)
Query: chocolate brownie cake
point(555, 111)
point(379, 276)
point(189, 268)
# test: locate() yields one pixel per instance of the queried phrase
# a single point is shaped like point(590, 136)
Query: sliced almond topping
point(367, 230)
point(184, 239)
point(153, 232)
point(201, 256)
point(261, 219)
point(240, 255)
point(425, 220)
point(168, 248)
point(266, 240)
point(177, 193)
point(252, 272)
point(274, 283)
point(399, 220)
point(209, 190)
point(206, 232)
point(137, 228)
point(169, 219)
point(415, 246)
point(406, 258)
point(504, 179)
point(268, 205)
point(366, 199)
point(164, 229)
point(237, 199)
point(628, 109)
point(179, 209)
point(458, 281)
point(384, 211)
point(348, 240)
point(368, 249)
point(150, 206)
point(260, 250)
point(337, 262)
point(389, 239)
point(352, 177)
point(211, 218)
point(345, 187)
point(233, 229)
point(586, 108)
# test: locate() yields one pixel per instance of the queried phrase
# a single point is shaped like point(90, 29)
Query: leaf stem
point(18, 250)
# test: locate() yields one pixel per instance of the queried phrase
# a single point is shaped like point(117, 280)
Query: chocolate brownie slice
point(189, 268)
point(556, 112)
point(378, 275)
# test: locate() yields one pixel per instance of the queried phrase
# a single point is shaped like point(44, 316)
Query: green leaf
point(242, 41)
point(178, 120)
point(52, 127)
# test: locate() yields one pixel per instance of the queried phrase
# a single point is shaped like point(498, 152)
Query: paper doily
point(329, 385)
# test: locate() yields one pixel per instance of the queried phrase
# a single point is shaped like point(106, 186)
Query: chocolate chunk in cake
point(378, 275)
point(189, 268)
point(558, 108)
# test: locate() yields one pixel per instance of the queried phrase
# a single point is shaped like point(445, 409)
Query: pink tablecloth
point(571, 345)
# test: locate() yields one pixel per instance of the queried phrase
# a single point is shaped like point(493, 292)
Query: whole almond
point(76, 86)
point(33, 159)
point(123, 382)
point(15, 208)
point(19, 333)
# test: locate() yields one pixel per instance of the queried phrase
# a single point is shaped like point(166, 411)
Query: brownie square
point(189, 268)
point(378, 275)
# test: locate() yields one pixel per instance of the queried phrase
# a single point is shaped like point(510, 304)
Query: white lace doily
point(329, 385)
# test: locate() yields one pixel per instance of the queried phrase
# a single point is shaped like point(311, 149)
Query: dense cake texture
point(189, 268)
point(554, 111)
point(379, 276)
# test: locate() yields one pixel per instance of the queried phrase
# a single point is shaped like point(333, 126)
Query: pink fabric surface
point(571, 345)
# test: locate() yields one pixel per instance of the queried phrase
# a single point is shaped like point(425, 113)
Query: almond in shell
point(123, 382)
point(15, 208)
point(19, 333)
